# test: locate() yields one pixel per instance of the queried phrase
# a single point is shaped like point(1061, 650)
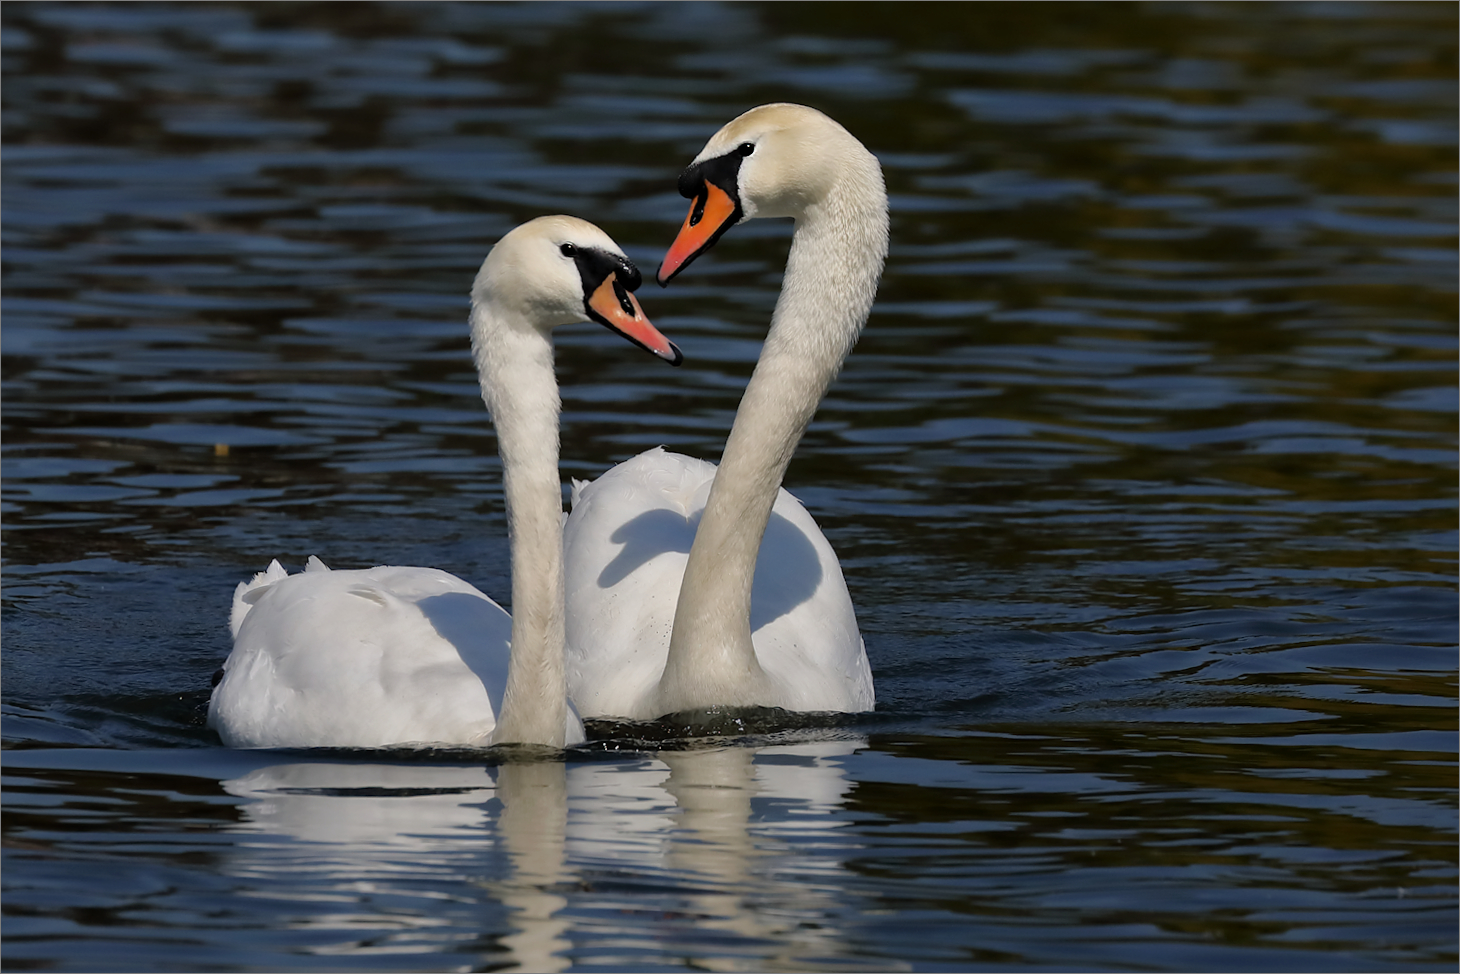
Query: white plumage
point(626, 545)
point(362, 658)
point(692, 588)
point(392, 656)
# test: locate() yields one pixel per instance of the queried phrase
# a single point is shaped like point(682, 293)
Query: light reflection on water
point(1142, 479)
point(732, 846)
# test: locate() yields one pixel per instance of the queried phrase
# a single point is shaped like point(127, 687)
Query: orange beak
point(702, 227)
point(612, 305)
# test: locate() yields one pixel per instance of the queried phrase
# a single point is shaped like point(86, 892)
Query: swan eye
point(744, 149)
point(569, 250)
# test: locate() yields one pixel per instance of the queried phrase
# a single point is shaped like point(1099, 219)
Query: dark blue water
point(1143, 480)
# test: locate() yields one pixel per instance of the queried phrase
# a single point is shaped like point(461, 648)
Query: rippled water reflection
point(1142, 476)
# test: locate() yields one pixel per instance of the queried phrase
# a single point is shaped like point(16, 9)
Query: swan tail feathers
point(578, 486)
point(247, 593)
point(315, 565)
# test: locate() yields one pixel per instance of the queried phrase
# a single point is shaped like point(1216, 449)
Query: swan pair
point(653, 598)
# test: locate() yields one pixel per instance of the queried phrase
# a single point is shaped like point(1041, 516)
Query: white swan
point(390, 655)
point(657, 626)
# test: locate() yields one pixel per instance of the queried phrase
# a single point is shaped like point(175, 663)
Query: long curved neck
point(515, 365)
point(831, 278)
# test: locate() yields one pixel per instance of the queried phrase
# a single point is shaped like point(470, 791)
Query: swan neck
point(831, 278)
point(515, 366)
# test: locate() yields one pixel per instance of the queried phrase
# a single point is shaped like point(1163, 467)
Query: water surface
point(1142, 478)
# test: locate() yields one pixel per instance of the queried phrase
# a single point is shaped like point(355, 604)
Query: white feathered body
point(756, 614)
point(395, 656)
point(364, 658)
point(626, 544)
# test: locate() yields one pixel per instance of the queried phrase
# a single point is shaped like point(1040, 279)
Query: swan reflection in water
point(653, 853)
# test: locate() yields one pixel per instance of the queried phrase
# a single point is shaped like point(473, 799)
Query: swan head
point(775, 160)
point(558, 270)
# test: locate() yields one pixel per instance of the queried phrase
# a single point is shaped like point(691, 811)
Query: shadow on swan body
point(395, 656)
point(362, 658)
point(788, 572)
point(629, 538)
point(756, 614)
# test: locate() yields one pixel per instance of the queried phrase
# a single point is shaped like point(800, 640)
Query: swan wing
point(802, 623)
point(366, 658)
point(624, 550)
point(626, 544)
